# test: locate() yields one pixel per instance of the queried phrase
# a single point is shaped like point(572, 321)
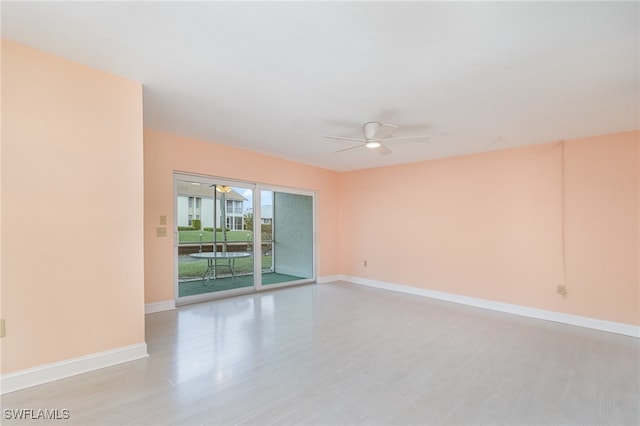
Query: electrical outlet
point(561, 290)
point(161, 232)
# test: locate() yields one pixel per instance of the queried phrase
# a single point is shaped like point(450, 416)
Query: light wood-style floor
point(341, 354)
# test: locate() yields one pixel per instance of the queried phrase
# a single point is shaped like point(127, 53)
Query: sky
point(248, 194)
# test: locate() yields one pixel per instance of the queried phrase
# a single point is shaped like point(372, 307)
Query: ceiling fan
point(374, 134)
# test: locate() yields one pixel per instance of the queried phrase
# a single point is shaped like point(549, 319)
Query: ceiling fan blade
point(350, 148)
point(408, 138)
point(383, 149)
point(344, 139)
point(384, 131)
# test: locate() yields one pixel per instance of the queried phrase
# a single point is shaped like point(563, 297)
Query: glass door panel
point(214, 237)
point(286, 237)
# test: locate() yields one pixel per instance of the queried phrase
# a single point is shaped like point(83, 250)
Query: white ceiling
point(274, 77)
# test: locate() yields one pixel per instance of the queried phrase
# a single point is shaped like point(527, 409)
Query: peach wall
point(72, 210)
point(165, 153)
point(490, 226)
point(602, 209)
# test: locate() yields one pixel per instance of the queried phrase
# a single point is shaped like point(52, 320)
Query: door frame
point(257, 237)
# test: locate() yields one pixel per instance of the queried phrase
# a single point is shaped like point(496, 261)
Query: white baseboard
point(602, 325)
point(22, 379)
point(167, 305)
point(328, 279)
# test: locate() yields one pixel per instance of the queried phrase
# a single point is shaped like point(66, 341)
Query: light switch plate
point(163, 220)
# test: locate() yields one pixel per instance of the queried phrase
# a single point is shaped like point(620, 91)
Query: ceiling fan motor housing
point(370, 128)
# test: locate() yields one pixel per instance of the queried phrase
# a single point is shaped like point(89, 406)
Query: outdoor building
point(266, 214)
point(196, 202)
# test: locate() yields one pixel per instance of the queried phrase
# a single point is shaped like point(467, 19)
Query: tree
point(248, 221)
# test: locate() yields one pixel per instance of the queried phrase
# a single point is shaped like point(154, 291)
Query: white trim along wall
point(609, 326)
point(22, 379)
point(166, 305)
point(596, 324)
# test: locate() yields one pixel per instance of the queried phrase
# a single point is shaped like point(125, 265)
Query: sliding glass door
point(233, 237)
